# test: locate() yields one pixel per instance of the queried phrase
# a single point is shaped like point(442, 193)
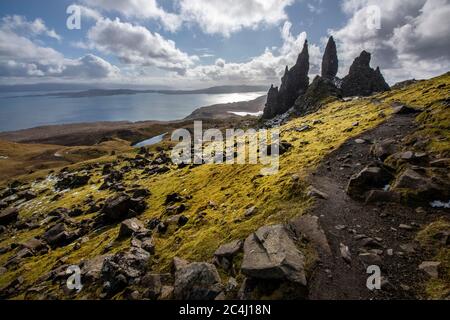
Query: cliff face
point(362, 80)
point(294, 83)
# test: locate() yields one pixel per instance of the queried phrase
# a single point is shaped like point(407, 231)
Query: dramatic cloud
point(138, 46)
point(229, 16)
point(21, 57)
point(269, 66)
point(139, 9)
point(413, 40)
point(21, 25)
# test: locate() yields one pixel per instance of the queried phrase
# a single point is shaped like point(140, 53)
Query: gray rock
point(131, 226)
point(270, 253)
point(122, 206)
point(225, 254)
point(384, 149)
point(316, 193)
point(8, 216)
point(431, 268)
point(197, 281)
point(91, 269)
point(308, 226)
point(345, 253)
point(251, 211)
point(369, 178)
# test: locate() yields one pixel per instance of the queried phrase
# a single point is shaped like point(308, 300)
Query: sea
point(17, 111)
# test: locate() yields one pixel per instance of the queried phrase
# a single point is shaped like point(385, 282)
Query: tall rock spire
point(294, 83)
point(362, 80)
point(330, 63)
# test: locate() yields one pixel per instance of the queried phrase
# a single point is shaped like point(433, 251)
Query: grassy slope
point(26, 158)
point(232, 188)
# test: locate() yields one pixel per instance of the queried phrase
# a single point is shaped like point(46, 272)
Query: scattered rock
point(431, 268)
point(384, 149)
point(225, 254)
point(316, 193)
point(369, 178)
point(197, 281)
point(131, 226)
point(345, 253)
point(122, 206)
point(8, 216)
point(308, 226)
point(251, 211)
point(123, 269)
point(270, 253)
point(381, 196)
point(72, 181)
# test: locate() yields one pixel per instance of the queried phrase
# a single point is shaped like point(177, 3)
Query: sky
point(202, 43)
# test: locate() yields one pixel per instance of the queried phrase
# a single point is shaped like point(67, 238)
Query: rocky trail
point(374, 234)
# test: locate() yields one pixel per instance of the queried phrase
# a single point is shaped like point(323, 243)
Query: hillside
point(74, 216)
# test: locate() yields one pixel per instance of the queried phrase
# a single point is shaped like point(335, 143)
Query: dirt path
point(345, 221)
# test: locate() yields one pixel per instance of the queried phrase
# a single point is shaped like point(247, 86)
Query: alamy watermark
point(374, 280)
point(73, 22)
point(74, 280)
point(373, 17)
point(233, 147)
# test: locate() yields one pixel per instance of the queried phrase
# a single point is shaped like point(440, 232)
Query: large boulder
point(123, 269)
point(197, 281)
point(131, 226)
point(8, 216)
point(122, 206)
point(71, 181)
point(271, 254)
point(59, 236)
point(362, 80)
point(330, 63)
point(385, 148)
point(308, 226)
point(421, 186)
point(371, 177)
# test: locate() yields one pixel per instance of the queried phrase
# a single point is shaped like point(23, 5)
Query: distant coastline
point(116, 92)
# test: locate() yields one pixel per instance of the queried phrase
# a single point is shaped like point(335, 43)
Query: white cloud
point(139, 9)
point(20, 57)
point(136, 45)
point(413, 40)
point(21, 25)
point(264, 68)
point(229, 16)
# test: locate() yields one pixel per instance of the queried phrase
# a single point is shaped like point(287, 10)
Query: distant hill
point(80, 92)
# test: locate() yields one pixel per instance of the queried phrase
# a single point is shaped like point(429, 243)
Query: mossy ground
point(220, 194)
point(438, 288)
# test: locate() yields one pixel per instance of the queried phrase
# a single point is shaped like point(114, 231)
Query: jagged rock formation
point(330, 63)
point(362, 80)
point(295, 90)
point(320, 91)
point(270, 110)
point(294, 83)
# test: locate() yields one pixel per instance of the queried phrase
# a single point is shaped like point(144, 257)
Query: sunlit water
point(29, 112)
